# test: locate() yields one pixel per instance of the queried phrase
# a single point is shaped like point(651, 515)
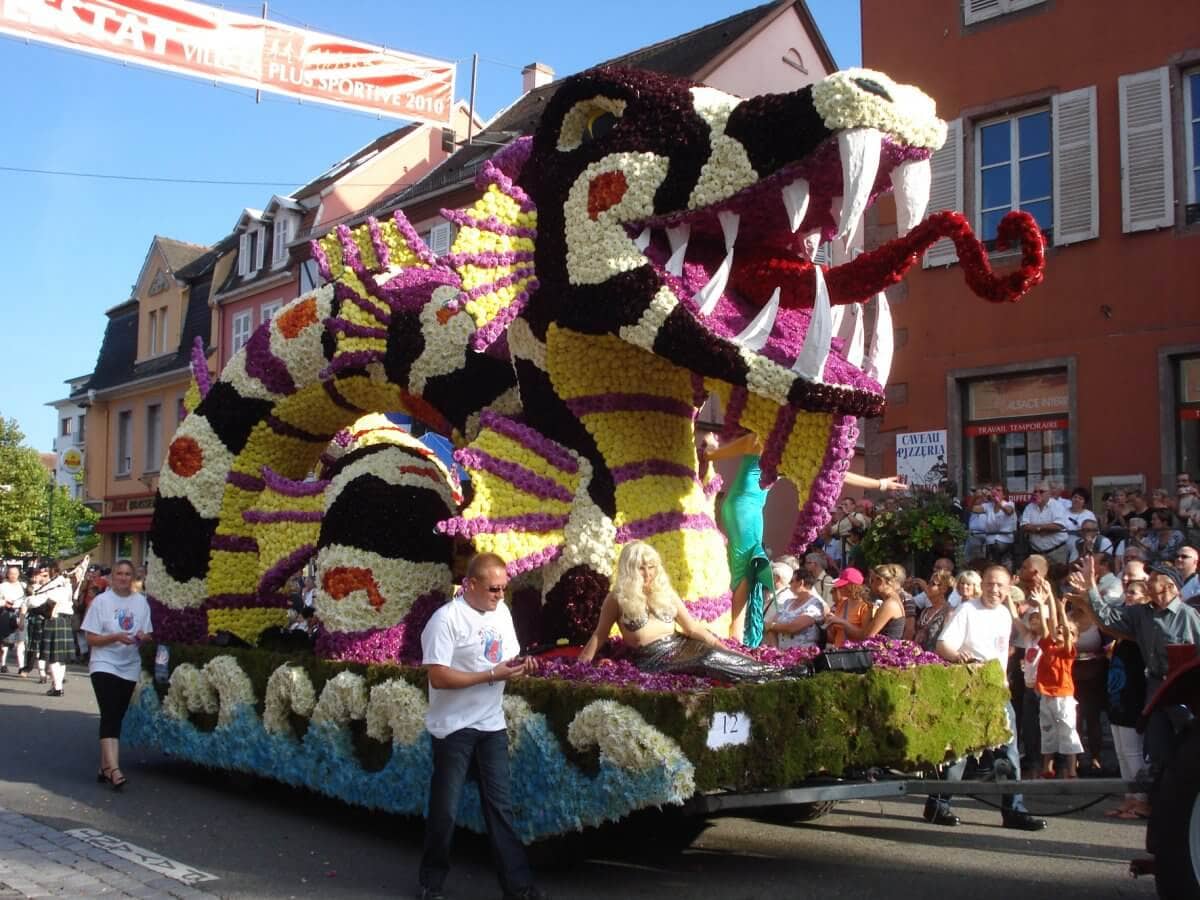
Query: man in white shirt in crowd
point(1045, 522)
point(1001, 527)
point(470, 649)
point(822, 581)
point(12, 598)
point(980, 632)
point(1185, 565)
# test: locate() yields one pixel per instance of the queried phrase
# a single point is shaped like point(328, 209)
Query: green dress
point(742, 521)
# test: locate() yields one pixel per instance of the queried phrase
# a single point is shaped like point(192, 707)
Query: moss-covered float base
point(582, 754)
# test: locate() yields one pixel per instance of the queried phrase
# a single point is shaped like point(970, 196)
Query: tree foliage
point(34, 519)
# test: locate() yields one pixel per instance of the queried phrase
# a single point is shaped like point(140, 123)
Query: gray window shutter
point(978, 10)
point(1076, 173)
point(440, 237)
point(243, 261)
point(1147, 187)
point(945, 190)
point(260, 247)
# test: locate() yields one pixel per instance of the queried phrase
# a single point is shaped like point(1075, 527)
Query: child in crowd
point(1056, 683)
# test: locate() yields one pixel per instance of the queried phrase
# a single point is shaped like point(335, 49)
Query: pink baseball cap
point(849, 576)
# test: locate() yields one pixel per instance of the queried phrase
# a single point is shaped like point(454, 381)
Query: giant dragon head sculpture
point(650, 244)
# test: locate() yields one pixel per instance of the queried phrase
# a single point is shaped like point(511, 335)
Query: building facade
point(70, 436)
point(1088, 118)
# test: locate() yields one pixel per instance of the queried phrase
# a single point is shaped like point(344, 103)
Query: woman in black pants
point(116, 623)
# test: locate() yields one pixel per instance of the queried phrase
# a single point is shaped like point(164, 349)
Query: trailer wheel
point(1176, 824)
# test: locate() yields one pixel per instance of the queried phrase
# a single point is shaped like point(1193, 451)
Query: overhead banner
point(215, 44)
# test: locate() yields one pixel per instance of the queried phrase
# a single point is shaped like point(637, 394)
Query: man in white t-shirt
point(980, 632)
point(469, 648)
point(1045, 522)
point(12, 598)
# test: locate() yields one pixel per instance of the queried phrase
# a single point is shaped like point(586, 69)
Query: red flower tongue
point(758, 271)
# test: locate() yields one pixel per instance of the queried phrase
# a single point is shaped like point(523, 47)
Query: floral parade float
point(649, 245)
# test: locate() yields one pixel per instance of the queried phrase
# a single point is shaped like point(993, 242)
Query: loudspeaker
point(844, 661)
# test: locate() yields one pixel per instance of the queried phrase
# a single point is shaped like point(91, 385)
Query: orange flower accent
point(340, 582)
point(605, 192)
point(296, 319)
point(185, 457)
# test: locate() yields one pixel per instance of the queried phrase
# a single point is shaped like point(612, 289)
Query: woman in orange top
point(849, 604)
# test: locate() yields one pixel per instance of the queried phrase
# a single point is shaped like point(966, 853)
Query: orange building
point(1088, 117)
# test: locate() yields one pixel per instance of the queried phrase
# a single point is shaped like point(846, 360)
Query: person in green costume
point(741, 519)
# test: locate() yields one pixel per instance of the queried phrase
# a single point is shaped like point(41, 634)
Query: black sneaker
point(53, 693)
point(3, 670)
point(1022, 821)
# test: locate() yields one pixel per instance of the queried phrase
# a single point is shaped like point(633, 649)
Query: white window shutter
point(1022, 4)
point(260, 248)
point(278, 242)
point(946, 190)
point(1076, 173)
point(244, 255)
point(1147, 176)
point(439, 238)
point(978, 10)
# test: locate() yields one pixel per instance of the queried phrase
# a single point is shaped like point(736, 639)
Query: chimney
point(535, 75)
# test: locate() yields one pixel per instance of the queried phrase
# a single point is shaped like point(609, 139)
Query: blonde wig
point(633, 599)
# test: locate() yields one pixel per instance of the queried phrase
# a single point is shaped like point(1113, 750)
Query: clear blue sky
point(73, 246)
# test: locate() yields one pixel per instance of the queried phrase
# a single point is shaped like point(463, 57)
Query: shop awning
point(112, 524)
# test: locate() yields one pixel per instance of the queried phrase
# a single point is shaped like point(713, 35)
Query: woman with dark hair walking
point(117, 621)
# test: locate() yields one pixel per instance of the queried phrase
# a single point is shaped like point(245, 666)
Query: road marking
point(156, 862)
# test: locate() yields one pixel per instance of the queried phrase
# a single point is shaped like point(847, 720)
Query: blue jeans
point(485, 752)
point(1008, 802)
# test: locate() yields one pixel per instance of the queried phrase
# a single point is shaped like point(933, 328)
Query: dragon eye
point(599, 123)
point(589, 120)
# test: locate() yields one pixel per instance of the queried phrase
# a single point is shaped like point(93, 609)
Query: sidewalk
point(38, 861)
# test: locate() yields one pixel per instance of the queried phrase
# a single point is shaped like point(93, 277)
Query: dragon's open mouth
point(743, 267)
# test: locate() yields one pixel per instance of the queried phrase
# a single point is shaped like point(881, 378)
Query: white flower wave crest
point(396, 712)
point(626, 739)
point(231, 685)
point(289, 689)
point(189, 692)
point(343, 698)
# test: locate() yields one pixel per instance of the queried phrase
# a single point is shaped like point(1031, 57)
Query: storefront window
point(1016, 432)
point(1189, 415)
point(124, 545)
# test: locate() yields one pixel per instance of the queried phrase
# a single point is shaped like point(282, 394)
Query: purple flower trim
point(533, 561)
point(491, 223)
point(276, 576)
point(495, 328)
point(244, 481)
point(351, 257)
point(709, 609)
point(352, 329)
point(493, 174)
point(371, 309)
point(357, 359)
point(378, 243)
point(315, 249)
point(715, 483)
point(660, 522)
point(289, 486)
point(399, 643)
point(773, 447)
point(286, 429)
point(200, 367)
point(272, 516)
point(411, 289)
point(733, 415)
point(262, 364)
point(511, 159)
point(238, 601)
point(531, 523)
point(184, 626)
point(489, 260)
point(618, 402)
point(234, 543)
point(518, 476)
point(823, 493)
point(648, 467)
point(482, 290)
point(413, 239)
point(531, 439)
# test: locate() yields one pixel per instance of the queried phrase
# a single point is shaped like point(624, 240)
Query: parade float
point(648, 246)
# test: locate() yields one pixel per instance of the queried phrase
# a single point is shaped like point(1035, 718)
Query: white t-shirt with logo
point(979, 632)
point(12, 593)
point(108, 614)
point(461, 637)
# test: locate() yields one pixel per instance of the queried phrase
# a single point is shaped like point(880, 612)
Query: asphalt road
point(263, 841)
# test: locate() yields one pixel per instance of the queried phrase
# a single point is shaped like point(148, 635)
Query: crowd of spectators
point(1098, 606)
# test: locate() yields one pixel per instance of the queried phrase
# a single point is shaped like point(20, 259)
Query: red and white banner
point(194, 39)
point(1016, 427)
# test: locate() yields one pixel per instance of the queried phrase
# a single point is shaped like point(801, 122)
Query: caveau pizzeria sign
point(217, 45)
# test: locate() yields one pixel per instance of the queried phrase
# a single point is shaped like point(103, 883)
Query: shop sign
point(71, 460)
point(1016, 427)
point(1021, 397)
point(218, 45)
point(1189, 380)
point(921, 457)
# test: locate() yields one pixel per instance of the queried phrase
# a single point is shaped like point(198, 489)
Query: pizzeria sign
point(217, 45)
